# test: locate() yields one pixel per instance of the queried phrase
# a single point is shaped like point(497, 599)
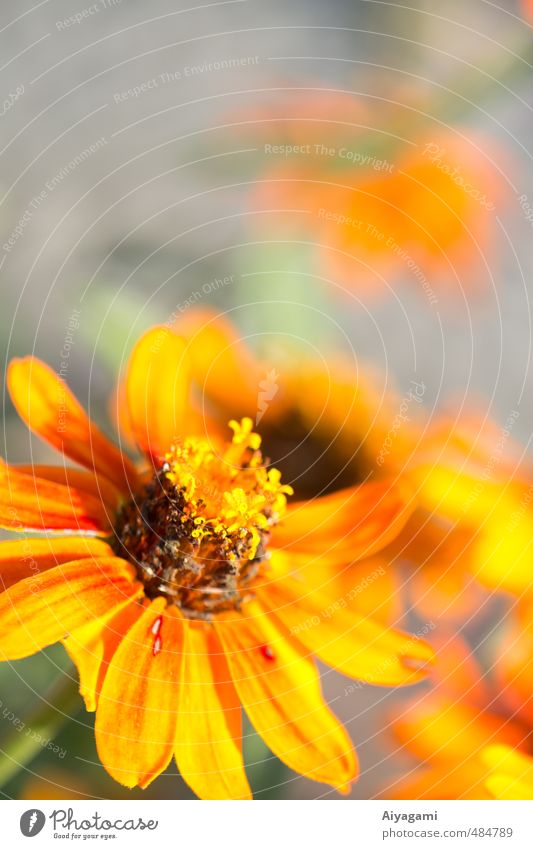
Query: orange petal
point(464, 780)
point(92, 646)
point(369, 587)
point(24, 557)
point(447, 593)
point(457, 672)
point(119, 415)
point(209, 736)
point(221, 363)
point(280, 689)
point(439, 557)
point(49, 408)
point(27, 501)
point(99, 487)
point(157, 390)
point(438, 729)
point(356, 645)
point(468, 442)
point(352, 523)
point(137, 710)
point(43, 609)
point(499, 516)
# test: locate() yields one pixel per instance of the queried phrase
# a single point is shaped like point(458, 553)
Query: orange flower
point(460, 730)
point(424, 212)
point(494, 772)
point(331, 426)
point(186, 587)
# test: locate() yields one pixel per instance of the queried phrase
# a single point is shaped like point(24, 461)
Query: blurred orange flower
point(186, 585)
point(462, 732)
point(427, 214)
point(381, 199)
point(493, 772)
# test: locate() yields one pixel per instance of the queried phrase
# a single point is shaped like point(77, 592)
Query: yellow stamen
point(230, 488)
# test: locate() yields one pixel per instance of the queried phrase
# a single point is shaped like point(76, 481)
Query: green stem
point(32, 731)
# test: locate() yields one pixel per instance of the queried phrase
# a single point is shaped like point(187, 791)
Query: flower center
point(316, 463)
point(199, 532)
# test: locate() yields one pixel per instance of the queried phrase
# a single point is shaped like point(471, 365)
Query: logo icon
point(32, 822)
point(268, 389)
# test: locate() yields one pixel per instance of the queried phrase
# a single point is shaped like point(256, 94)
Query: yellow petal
point(352, 523)
point(92, 646)
point(222, 365)
point(280, 689)
point(209, 736)
point(354, 644)
point(157, 390)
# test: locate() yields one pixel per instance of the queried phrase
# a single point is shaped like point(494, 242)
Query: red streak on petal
point(158, 642)
point(267, 653)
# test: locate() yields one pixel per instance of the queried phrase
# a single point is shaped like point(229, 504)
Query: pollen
point(198, 534)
